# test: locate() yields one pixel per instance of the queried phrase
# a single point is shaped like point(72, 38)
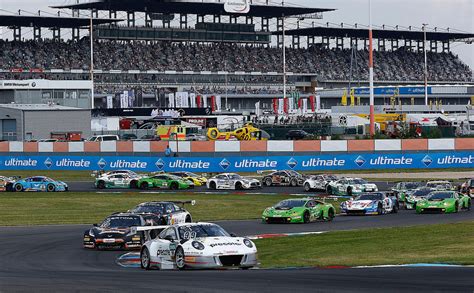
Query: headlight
point(248, 243)
point(446, 204)
point(91, 233)
point(198, 245)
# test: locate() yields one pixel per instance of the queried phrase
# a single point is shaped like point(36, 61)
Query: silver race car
point(232, 181)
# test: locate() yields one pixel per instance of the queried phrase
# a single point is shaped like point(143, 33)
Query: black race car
point(115, 232)
point(283, 178)
point(164, 212)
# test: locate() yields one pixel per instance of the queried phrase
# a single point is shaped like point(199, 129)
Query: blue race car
point(39, 183)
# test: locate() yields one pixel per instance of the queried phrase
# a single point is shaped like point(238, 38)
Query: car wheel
point(395, 209)
point(469, 205)
point(293, 182)
point(331, 215)
point(179, 258)
point(145, 259)
point(101, 185)
point(456, 207)
point(307, 187)
point(18, 187)
point(174, 186)
point(134, 184)
point(329, 190)
point(212, 185)
point(349, 191)
point(144, 185)
point(50, 188)
point(379, 210)
point(188, 219)
point(268, 182)
point(238, 186)
point(306, 217)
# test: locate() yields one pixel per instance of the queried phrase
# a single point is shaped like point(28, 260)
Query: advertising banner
point(325, 162)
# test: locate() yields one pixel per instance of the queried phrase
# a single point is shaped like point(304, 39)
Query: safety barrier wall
point(301, 146)
point(235, 156)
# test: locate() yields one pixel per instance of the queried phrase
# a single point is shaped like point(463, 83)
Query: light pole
point(92, 59)
point(371, 73)
point(426, 64)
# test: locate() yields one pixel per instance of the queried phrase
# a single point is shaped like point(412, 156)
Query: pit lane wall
point(235, 156)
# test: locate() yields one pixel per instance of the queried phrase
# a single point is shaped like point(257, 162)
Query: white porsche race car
point(350, 187)
point(196, 245)
point(318, 182)
point(232, 181)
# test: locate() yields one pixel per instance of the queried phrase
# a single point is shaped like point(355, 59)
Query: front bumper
point(359, 212)
point(115, 243)
point(222, 261)
point(282, 219)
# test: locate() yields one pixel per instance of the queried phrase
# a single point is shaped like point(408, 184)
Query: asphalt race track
point(89, 187)
point(51, 259)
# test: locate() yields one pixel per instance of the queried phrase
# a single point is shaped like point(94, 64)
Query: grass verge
point(447, 243)
point(86, 208)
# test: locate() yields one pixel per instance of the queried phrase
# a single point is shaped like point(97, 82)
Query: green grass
point(87, 208)
point(448, 243)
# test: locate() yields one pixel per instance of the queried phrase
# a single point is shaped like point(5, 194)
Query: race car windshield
point(234, 177)
point(115, 222)
point(439, 195)
point(174, 177)
point(153, 209)
point(359, 181)
point(289, 204)
point(422, 192)
point(330, 177)
point(189, 174)
point(198, 231)
point(438, 185)
point(293, 173)
point(411, 185)
point(370, 196)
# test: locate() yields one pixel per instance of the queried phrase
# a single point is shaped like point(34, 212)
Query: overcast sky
point(455, 14)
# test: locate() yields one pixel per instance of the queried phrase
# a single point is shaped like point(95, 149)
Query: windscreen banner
point(326, 162)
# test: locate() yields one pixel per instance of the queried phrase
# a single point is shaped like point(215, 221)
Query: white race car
point(375, 203)
point(350, 187)
point(232, 181)
point(196, 245)
point(318, 182)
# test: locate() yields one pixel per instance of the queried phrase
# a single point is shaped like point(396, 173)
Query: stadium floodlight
point(426, 64)
point(371, 73)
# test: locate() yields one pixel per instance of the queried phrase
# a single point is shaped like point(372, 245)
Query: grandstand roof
point(322, 31)
point(50, 21)
point(182, 7)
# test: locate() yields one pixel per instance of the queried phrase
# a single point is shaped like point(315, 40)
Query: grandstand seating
point(326, 64)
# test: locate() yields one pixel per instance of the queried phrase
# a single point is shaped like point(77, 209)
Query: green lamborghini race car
point(443, 202)
point(302, 210)
point(164, 181)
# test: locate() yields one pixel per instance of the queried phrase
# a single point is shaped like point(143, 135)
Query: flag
point(344, 98)
point(275, 106)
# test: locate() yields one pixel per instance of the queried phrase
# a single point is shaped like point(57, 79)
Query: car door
point(38, 183)
point(167, 243)
point(313, 209)
point(222, 181)
point(119, 180)
point(387, 203)
point(161, 181)
point(277, 178)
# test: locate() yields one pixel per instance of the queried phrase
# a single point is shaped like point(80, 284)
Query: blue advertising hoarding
point(325, 162)
point(415, 90)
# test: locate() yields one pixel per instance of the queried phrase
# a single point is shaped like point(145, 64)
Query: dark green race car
point(443, 202)
point(166, 181)
point(302, 210)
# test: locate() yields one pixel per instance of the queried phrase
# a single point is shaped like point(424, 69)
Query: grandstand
point(216, 52)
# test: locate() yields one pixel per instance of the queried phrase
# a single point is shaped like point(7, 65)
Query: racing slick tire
point(468, 205)
point(50, 188)
point(174, 186)
point(395, 209)
point(134, 184)
point(213, 185)
point(306, 217)
point(307, 187)
point(379, 210)
point(331, 215)
point(268, 182)
point(238, 186)
point(329, 190)
point(180, 258)
point(101, 185)
point(18, 187)
point(349, 191)
point(294, 182)
point(145, 259)
point(188, 219)
point(144, 185)
point(456, 209)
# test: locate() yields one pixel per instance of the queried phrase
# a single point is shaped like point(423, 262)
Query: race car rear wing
point(192, 202)
point(149, 232)
point(260, 172)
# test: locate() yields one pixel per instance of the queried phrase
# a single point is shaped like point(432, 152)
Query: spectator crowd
point(326, 64)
